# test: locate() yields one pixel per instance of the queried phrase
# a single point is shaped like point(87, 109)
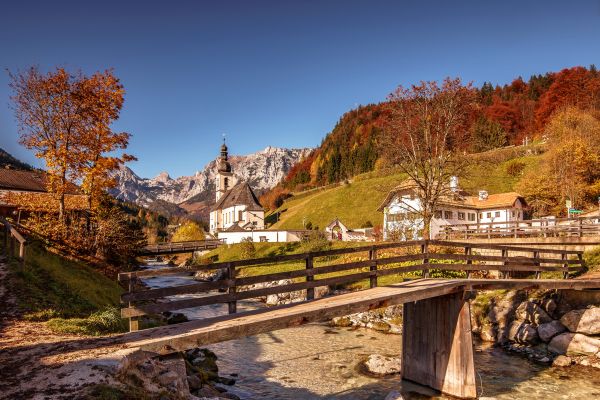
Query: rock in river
point(573, 344)
point(585, 321)
point(382, 365)
point(548, 330)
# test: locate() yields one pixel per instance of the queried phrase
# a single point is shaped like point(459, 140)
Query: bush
point(99, 323)
point(247, 248)
point(314, 241)
point(515, 167)
point(188, 231)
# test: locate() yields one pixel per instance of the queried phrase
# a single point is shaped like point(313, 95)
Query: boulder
point(523, 333)
point(394, 396)
point(532, 313)
point(382, 365)
point(562, 361)
point(550, 329)
point(549, 305)
point(586, 321)
point(573, 344)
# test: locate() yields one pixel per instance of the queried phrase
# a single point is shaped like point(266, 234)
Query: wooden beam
point(437, 347)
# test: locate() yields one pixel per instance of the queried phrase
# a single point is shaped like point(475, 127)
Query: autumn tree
point(570, 168)
point(426, 132)
point(188, 231)
point(103, 96)
point(487, 135)
point(49, 116)
point(66, 119)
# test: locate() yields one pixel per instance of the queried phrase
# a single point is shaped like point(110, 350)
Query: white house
point(237, 207)
point(263, 235)
point(336, 230)
point(401, 210)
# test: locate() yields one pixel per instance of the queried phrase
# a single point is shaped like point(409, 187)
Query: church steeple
point(224, 180)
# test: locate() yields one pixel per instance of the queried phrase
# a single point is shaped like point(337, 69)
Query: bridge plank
point(172, 338)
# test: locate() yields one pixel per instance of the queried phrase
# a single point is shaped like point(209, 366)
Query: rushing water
point(316, 361)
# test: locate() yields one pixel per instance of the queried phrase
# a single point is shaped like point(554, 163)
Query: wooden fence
point(559, 227)
point(11, 238)
point(423, 256)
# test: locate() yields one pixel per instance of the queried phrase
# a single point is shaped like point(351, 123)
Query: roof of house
point(28, 181)
point(460, 198)
point(337, 222)
point(240, 194)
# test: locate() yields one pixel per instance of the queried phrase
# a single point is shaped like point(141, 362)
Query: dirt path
point(35, 363)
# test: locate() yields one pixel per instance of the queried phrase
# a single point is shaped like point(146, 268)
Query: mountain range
point(195, 194)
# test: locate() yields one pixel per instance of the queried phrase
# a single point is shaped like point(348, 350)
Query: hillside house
point(237, 208)
point(401, 208)
point(26, 191)
point(336, 230)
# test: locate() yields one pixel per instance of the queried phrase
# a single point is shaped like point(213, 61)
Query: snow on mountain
point(262, 170)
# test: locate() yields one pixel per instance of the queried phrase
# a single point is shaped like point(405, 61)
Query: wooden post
point(310, 292)
point(468, 252)
point(565, 266)
point(424, 250)
point(134, 323)
point(232, 288)
point(580, 227)
point(6, 236)
point(437, 347)
point(373, 267)
point(505, 273)
point(536, 256)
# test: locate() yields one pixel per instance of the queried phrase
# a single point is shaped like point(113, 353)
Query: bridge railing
point(11, 238)
point(181, 246)
point(307, 271)
point(556, 227)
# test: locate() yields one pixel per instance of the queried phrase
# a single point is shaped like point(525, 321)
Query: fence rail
point(11, 238)
point(423, 256)
point(559, 227)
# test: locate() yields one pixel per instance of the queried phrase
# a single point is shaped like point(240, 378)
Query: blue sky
point(277, 73)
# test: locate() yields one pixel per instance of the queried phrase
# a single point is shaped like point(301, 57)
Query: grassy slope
point(356, 203)
point(73, 296)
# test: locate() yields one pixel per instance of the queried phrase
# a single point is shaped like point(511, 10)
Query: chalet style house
point(237, 208)
point(27, 191)
point(401, 208)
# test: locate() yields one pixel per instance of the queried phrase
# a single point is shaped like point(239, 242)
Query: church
point(237, 208)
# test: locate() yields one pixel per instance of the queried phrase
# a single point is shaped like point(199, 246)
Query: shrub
point(247, 248)
point(99, 323)
point(187, 232)
point(314, 241)
point(515, 167)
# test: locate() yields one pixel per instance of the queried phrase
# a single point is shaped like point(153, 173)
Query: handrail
point(430, 254)
point(10, 235)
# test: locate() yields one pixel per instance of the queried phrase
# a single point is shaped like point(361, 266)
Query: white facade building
point(263, 235)
point(401, 211)
point(237, 207)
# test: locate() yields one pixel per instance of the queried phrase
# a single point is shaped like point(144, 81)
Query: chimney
point(483, 195)
point(454, 184)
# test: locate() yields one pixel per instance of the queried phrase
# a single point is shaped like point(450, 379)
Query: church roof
point(240, 194)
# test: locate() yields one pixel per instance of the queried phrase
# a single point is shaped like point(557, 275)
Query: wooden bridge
point(179, 247)
point(437, 346)
point(542, 228)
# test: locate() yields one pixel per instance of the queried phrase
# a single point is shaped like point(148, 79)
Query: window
point(263, 238)
point(497, 214)
point(438, 214)
point(240, 215)
point(448, 214)
point(480, 215)
point(472, 216)
point(513, 213)
point(461, 216)
point(489, 215)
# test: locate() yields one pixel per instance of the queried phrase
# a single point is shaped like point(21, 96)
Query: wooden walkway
point(184, 336)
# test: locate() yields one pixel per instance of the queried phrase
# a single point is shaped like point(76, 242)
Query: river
point(316, 361)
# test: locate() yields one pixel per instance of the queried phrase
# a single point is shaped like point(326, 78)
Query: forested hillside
point(502, 115)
